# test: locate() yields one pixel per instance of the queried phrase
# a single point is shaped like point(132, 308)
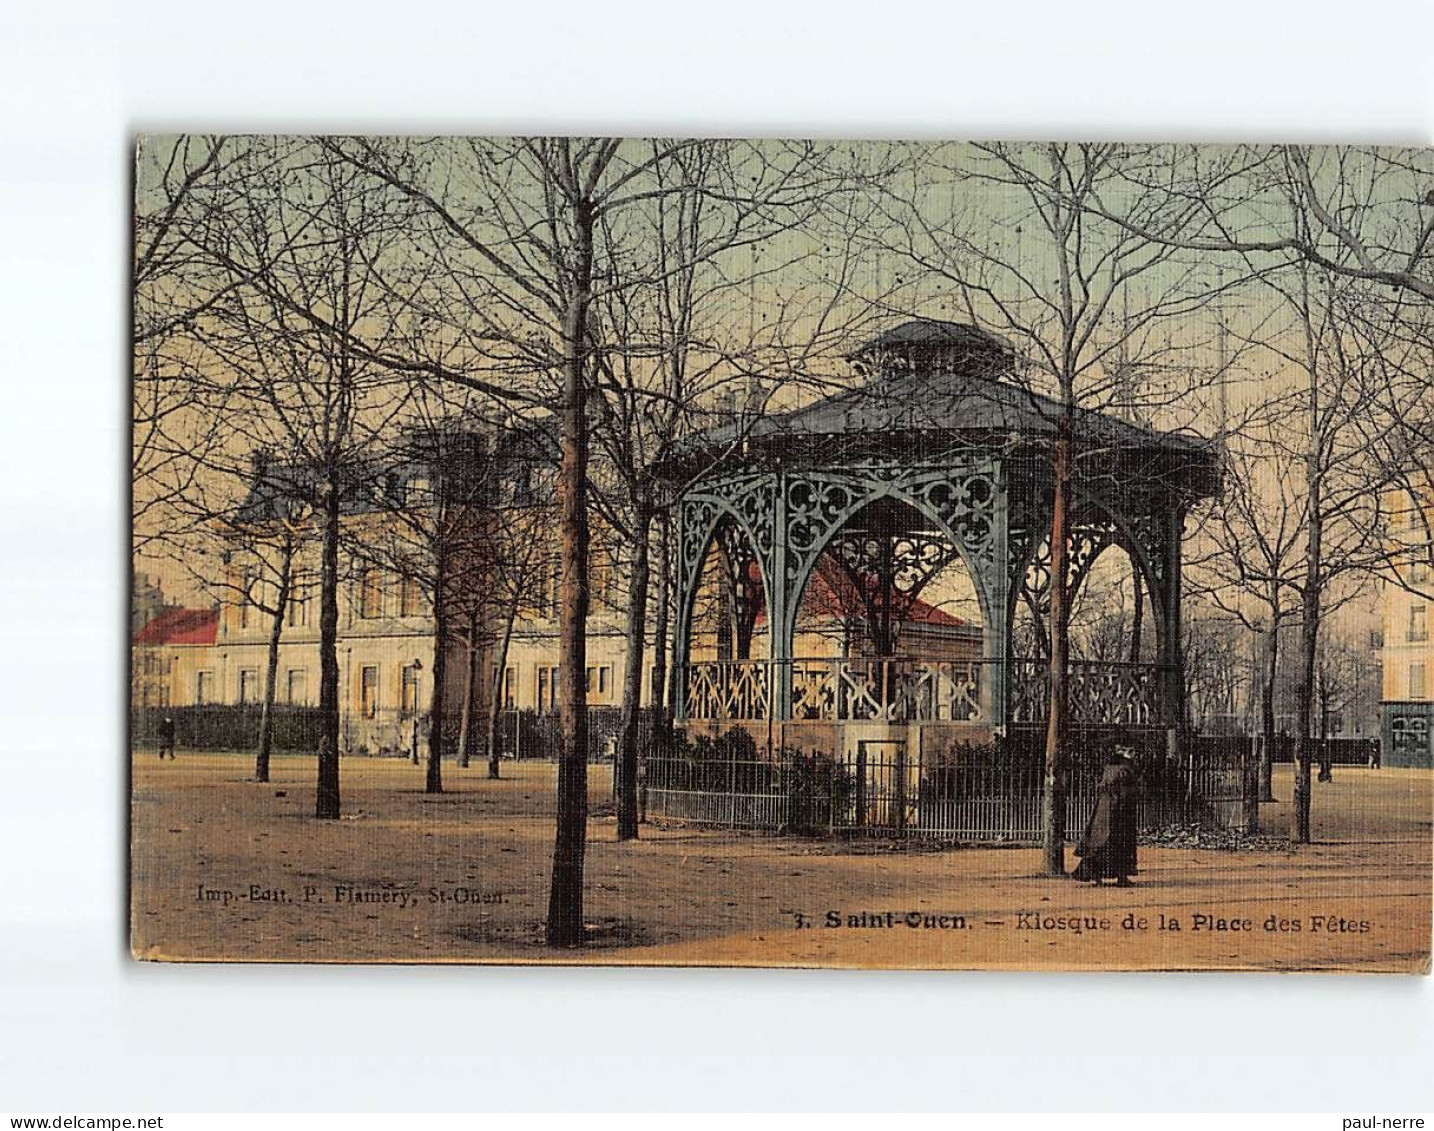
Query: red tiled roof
point(922, 613)
point(180, 626)
point(830, 593)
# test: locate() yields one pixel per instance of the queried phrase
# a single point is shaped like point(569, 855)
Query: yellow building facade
point(386, 640)
point(386, 620)
point(1407, 696)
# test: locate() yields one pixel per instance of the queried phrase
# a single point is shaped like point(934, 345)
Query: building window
point(371, 594)
point(410, 598)
point(368, 692)
point(1418, 623)
point(552, 590)
point(203, 688)
point(510, 688)
point(1419, 569)
point(409, 689)
point(600, 580)
point(1416, 682)
point(297, 687)
point(599, 680)
point(298, 611)
point(248, 686)
point(245, 601)
point(547, 688)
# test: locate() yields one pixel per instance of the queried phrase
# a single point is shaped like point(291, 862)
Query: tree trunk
point(470, 688)
point(1311, 596)
point(1267, 712)
point(495, 689)
point(1137, 586)
point(1249, 788)
point(1326, 758)
point(433, 779)
point(1304, 713)
point(627, 749)
point(565, 898)
point(1053, 797)
point(1254, 759)
point(1309, 650)
point(271, 680)
point(326, 801)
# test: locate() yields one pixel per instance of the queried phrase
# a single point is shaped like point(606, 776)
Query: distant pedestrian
point(166, 738)
point(1326, 758)
point(1107, 850)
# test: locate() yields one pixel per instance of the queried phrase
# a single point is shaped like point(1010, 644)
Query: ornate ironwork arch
point(741, 501)
point(961, 501)
point(1100, 526)
point(1142, 536)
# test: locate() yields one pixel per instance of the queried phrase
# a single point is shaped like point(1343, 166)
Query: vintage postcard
point(782, 553)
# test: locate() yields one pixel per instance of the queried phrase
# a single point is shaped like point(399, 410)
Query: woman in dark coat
point(1107, 850)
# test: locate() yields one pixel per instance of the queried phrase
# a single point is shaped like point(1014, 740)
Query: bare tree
point(432, 503)
point(171, 287)
point(239, 532)
point(523, 571)
point(1363, 214)
point(312, 252)
point(1016, 237)
point(1345, 237)
point(1216, 670)
point(274, 544)
point(682, 342)
point(518, 225)
point(1248, 560)
point(531, 238)
point(1340, 435)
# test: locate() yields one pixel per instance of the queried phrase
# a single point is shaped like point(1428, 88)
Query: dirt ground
point(225, 868)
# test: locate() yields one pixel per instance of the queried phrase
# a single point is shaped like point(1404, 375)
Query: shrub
point(818, 789)
point(728, 763)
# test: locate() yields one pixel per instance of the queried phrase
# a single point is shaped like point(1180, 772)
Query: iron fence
point(221, 726)
point(381, 733)
point(1342, 751)
point(225, 727)
point(538, 735)
point(985, 793)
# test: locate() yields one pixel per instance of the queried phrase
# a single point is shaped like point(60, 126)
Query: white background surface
point(82, 1028)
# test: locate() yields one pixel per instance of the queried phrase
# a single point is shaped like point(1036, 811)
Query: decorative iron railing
point(1100, 693)
point(891, 689)
point(729, 690)
point(906, 689)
